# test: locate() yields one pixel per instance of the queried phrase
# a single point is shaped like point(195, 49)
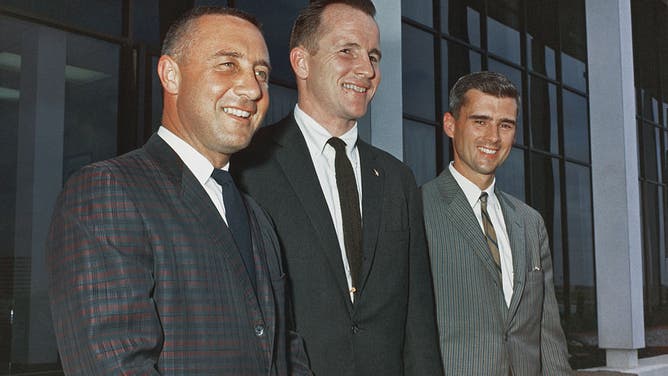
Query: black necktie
point(237, 219)
point(350, 209)
point(490, 234)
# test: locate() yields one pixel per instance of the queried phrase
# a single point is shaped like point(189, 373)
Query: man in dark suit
point(157, 265)
point(347, 215)
point(490, 257)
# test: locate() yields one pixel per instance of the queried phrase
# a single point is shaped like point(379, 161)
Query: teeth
point(355, 88)
point(236, 112)
point(487, 150)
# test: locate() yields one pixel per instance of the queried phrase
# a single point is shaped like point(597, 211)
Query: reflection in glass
point(510, 176)
point(276, 17)
point(651, 152)
point(461, 19)
point(543, 115)
point(546, 198)
point(573, 44)
point(503, 36)
point(515, 76)
point(582, 310)
point(418, 73)
point(419, 150)
point(456, 61)
point(419, 10)
point(576, 127)
point(543, 36)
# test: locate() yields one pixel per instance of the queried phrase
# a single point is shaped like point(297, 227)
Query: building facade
point(78, 84)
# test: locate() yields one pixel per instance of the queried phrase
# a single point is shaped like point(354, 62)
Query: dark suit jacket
point(480, 334)
point(390, 330)
point(145, 277)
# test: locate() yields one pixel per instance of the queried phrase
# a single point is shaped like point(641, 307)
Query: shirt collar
point(198, 164)
point(471, 191)
point(316, 135)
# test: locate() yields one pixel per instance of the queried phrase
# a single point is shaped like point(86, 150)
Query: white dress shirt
point(472, 193)
point(322, 155)
point(198, 165)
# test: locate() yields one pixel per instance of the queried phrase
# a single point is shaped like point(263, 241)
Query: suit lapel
point(516, 232)
point(373, 182)
point(464, 220)
point(297, 166)
point(199, 203)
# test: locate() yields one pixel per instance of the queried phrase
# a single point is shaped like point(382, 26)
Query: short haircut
point(306, 29)
point(490, 83)
point(180, 35)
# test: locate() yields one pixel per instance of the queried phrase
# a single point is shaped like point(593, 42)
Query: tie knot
point(221, 177)
point(337, 144)
point(483, 198)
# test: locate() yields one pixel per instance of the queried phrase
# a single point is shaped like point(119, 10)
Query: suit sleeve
point(421, 351)
point(554, 353)
point(100, 274)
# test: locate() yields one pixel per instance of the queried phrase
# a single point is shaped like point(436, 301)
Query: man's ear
point(299, 59)
point(170, 76)
point(449, 124)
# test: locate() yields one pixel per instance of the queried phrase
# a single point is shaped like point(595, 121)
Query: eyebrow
point(239, 55)
point(485, 117)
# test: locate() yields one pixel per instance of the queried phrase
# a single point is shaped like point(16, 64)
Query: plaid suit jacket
point(479, 334)
point(145, 278)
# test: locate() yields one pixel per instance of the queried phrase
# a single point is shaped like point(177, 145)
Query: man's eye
point(345, 50)
point(262, 75)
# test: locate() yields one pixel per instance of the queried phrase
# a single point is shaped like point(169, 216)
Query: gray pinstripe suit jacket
point(479, 334)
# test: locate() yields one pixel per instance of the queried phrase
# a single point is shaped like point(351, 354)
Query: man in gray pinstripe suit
point(490, 258)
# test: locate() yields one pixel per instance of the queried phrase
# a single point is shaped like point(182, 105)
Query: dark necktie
point(350, 209)
point(237, 219)
point(490, 234)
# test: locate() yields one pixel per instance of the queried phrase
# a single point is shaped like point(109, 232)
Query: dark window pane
point(456, 61)
point(420, 150)
point(418, 10)
point(652, 244)
point(650, 150)
point(282, 102)
point(580, 245)
point(146, 22)
point(276, 17)
point(574, 44)
point(510, 176)
point(418, 73)
point(104, 16)
point(645, 58)
point(546, 198)
point(542, 37)
point(503, 25)
point(543, 115)
point(461, 19)
point(445, 155)
point(576, 126)
point(515, 76)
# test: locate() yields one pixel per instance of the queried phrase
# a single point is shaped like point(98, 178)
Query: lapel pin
point(375, 172)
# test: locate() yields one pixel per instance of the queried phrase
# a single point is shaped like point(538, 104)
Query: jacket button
point(259, 330)
point(355, 329)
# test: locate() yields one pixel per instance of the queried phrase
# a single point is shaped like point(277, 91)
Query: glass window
point(503, 25)
point(543, 36)
point(576, 126)
point(277, 17)
point(515, 76)
point(418, 73)
point(282, 102)
point(419, 10)
point(146, 22)
point(419, 150)
point(510, 176)
point(573, 44)
point(104, 16)
point(580, 236)
point(456, 61)
point(445, 152)
point(543, 115)
point(650, 149)
point(546, 198)
point(461, 19)
point(652, 241)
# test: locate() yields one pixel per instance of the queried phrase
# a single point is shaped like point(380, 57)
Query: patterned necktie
point(237, 219)
point(350, 209)
point(490, 234)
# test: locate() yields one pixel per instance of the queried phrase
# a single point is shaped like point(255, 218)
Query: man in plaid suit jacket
point(145, 276)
